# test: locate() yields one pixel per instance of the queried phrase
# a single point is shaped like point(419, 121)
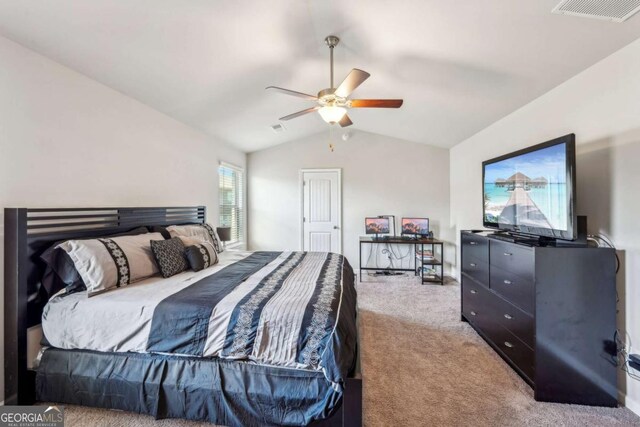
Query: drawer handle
point(507, 254)
point(473, 243)
point(508, 344)
point(473, 291)
point(508, 316)
point(473, 265)
point(473, 313)
point(507, 282)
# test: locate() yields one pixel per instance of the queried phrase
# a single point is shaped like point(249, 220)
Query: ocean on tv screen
point(528, 190)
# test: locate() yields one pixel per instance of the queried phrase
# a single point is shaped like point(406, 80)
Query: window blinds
point(232, 201)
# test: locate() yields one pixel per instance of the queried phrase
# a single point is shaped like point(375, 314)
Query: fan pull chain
point(331, 146)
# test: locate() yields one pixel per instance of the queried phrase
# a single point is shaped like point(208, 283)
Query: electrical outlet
point(610, 347)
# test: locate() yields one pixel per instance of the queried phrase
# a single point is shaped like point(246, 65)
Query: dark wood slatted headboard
point(28, 232)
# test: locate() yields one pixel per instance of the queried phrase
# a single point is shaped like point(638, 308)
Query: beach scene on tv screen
point(377, 225)
point(528, 190)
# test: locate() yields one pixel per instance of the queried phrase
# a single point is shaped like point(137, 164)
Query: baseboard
point(629, 403)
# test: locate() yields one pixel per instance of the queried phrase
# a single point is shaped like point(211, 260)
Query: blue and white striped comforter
point(284, 309)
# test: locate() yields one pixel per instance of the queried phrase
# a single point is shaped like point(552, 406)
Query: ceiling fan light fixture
point(333, 102)
point(332, 114)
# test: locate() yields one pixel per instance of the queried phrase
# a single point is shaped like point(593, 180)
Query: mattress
point(276, 309)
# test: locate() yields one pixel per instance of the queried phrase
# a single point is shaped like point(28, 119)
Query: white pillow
point(217, 243)
point(205, 233)
point(105, 263)
point(191, 241)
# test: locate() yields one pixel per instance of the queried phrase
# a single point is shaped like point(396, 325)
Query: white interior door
point(321, 210)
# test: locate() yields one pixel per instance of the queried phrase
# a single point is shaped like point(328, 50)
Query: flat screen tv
point(532, 191)
point(415, 226)
point(376, 225)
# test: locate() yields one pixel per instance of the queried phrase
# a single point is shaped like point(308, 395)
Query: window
point(232, 201)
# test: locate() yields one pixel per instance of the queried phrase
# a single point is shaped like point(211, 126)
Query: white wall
point(602, 107)
point(68, 141)
point(380, 175)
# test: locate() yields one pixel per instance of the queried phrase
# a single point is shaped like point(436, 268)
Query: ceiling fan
point(332, 103)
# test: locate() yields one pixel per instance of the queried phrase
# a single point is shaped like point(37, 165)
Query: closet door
point(321, 210)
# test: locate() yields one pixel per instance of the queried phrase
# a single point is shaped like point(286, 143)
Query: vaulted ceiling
point(459, 65)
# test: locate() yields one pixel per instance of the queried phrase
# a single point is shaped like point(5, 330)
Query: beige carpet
point(422, 367)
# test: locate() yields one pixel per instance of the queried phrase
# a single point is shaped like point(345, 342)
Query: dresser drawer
point(476, 269)
point(475, 303)
point(475, 246)
point(515, 320)
point(514, 258)
point(514, 289)
point(515, 350)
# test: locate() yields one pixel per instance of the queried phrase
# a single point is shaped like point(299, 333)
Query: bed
point(261, 338)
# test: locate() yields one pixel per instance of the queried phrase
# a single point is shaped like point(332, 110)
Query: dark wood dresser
point(550, 312)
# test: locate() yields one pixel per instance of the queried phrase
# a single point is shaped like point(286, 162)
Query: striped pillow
point(106, 263)
point(201, 256)
point(205, 233)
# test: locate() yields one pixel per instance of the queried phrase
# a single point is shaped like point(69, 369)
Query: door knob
point(335, 227)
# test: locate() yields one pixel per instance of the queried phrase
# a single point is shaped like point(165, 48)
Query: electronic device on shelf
point(526, 239)
point(512, 237)
point(405, 237)
point(415, 227)
point(378, 226)
point(389, 238)
point(531, 192)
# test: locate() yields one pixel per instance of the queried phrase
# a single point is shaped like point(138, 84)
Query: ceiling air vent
point(610, 10)
point(278, 128)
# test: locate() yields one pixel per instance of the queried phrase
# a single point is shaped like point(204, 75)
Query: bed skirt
point(223, 392)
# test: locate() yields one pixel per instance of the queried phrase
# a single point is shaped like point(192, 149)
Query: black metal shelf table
point(419, 261)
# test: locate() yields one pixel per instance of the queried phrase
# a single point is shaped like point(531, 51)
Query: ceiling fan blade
point(292, 93)
point(351, 82)
point(345, 121)
point(376, 103)
point(300, 113)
